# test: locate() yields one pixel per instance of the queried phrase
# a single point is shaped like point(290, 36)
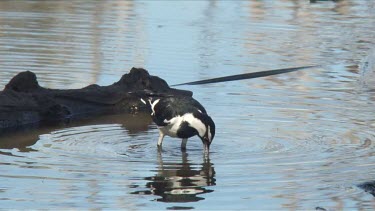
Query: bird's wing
point(196, 105)
point(170, 107)
point(182, 105)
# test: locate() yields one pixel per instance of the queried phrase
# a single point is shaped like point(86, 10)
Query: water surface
point(296, 141)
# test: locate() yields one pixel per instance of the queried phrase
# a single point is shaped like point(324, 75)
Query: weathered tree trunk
point(24, 102)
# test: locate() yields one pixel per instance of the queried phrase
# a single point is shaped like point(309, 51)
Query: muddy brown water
point(296, 141)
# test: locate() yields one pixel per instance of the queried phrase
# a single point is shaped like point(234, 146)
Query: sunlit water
point(297, 141)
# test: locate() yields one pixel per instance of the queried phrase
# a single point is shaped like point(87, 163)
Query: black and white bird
point(181, 117)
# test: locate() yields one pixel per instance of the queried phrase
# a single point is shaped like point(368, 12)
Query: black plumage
point(169, 107)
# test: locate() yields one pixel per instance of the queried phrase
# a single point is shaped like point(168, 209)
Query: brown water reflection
point(23, 138)
point(70, 37)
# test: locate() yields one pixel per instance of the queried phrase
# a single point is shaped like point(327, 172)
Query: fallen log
point(23, 101)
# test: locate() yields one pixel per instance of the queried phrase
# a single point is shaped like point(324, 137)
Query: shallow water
point(296, 141)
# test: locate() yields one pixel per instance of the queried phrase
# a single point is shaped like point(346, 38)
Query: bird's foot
point(183, 144)
point(160, 149)
point(183, 149)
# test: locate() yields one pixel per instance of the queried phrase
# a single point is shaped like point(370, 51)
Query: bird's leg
point(183, 144)
point(160, 140)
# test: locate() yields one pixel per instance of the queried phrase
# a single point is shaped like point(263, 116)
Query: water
point(296, 141)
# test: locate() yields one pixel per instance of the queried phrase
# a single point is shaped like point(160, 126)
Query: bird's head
point(207, 135)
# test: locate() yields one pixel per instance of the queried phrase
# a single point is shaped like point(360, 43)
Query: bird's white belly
point(169, 131)
point(172, 128)
point(175, 123)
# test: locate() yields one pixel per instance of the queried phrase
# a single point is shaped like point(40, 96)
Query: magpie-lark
point(181, 117)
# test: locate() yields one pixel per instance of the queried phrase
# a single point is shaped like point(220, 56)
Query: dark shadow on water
point(368, 187)
point(182, 181)
point(22, 139)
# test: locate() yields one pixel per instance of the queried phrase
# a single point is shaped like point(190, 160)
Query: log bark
point(23, 101)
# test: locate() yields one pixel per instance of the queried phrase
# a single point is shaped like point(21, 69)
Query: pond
point(302, 140)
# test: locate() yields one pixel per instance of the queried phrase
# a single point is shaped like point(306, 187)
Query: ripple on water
point(170, 175)
point(96, 141)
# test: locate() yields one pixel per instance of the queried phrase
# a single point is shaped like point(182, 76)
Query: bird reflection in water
point(180, 181)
